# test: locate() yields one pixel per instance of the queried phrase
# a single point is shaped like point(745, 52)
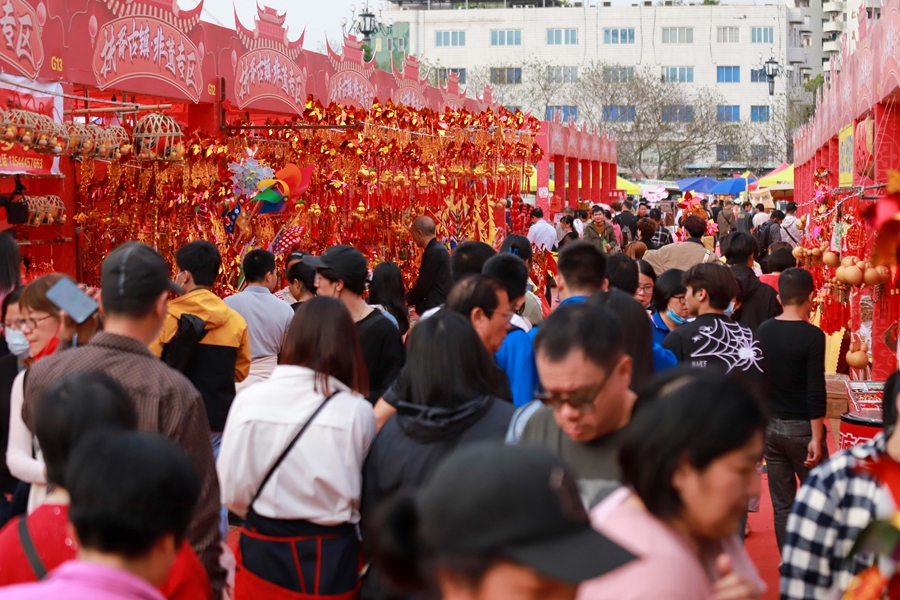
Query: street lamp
point(366, 22)
point(772, 69)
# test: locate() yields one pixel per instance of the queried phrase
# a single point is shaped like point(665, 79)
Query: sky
point(319, 17)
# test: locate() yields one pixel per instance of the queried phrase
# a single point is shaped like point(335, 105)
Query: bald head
point(422, 230)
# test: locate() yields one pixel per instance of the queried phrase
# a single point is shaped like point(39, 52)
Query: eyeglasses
point(647, 289)
point(30, 324)
point(679, 298)
point(584, 403)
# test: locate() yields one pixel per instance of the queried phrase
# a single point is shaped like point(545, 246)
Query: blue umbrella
point(697, 184)
point(731, 187)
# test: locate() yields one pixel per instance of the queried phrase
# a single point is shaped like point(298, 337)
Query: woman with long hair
point(10, 265)
point(568, 225)
point(301, 282)
point(646, 281)
point(387, 293)
point(670, 310)
point(448, 401)
point(687, 484)
point(291, 462)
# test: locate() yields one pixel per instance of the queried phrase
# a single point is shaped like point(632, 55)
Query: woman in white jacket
point(291, 462)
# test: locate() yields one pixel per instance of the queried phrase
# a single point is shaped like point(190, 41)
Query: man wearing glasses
point(586, 374)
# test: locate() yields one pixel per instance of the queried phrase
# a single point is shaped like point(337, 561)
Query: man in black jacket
point(434, 281)
point(758, 302)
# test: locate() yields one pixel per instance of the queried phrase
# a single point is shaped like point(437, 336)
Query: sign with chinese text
point(14, 158)
point(21, 46)
point(845, 151)
point(145, 47)
point(269, 74)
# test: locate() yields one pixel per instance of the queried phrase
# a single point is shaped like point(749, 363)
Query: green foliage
point(814, 83)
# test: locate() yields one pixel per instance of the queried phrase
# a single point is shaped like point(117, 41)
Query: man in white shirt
point(790, 233)
point(267, 317)
point(760, 217)
point(541, 233)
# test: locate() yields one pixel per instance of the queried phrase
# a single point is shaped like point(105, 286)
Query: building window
point(443, 74)
point(728, 74)
point(449, 38)
point(618, 74)
point(760, 153)
point(677, 114)
point(728, 35)
point(728, 113)
point(558, 37)
point(762, 35)
point(565, 113)
point(506, 75)
point(619, 114)
point(618, 36)
point(390, 45)
point(724, 152)
point(401, 43)
point(506, 37)
point(678, 35)
point(758, 76)
point(562, 74)
point(760, 114)
point(678, 74)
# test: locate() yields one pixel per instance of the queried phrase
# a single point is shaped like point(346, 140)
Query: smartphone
point(67, 296)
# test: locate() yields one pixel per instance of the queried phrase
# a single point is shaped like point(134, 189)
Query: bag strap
point(787, 231)
point(288, 449)
point(31, 553)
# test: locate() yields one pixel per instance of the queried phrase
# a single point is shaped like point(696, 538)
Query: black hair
point(448, 364)
point(746, 204)
point(128, 490)
point(666, 432)
point(777, 215)
point(622, 272)
point(694, 225)
point(519, 245)
point(202, 259)
point(468, 258)
point(889, 403)
point(477, 291)
point(79, 403)
point(760, 207)
point(667, 285)
point(511, 270)
point(794, 286)
point(607, 214)
point(646, 269)
point(387, 290)
point(738, 247)
point(595, 330)
point(655, 214)
point(717, 280)
point(791, 207)
point(638, 343)
point(537, 212)
point(583, 266)
point(12, 296)
point(567, 219)
point(781, 260)
point(303, 273)
point(581, 214)
point(11, 265)
point(257, 264)
point(596, 208)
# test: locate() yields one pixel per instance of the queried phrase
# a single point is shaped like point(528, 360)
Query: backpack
point(179, 353)
point(763, 238)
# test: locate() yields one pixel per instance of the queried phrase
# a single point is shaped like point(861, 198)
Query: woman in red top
point(29, 549)
point(779, 261)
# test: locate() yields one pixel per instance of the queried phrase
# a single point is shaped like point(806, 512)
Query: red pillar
point(586, 181)
point(609, 182)
point(574, 191)
point(595, 182)
point(559, 177)
point(834, 162)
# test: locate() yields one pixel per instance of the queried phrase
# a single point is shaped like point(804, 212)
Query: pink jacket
point(79, 580)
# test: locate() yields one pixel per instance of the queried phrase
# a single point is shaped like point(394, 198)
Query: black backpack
point(179, 352)
point(763, 238)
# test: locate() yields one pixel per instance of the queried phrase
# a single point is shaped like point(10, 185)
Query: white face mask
point(17, 343)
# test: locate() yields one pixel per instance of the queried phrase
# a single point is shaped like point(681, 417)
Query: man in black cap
point(435, 281)
point(135, 293)
point(509, 513)
point(341, 272)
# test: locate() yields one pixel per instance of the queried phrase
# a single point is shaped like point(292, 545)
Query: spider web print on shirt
point(730, 343)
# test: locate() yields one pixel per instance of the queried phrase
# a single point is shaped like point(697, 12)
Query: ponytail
point(394, 543)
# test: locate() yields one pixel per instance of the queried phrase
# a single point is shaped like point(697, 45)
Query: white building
point(715, 46)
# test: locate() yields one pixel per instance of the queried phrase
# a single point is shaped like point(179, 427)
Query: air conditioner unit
point(607, 4)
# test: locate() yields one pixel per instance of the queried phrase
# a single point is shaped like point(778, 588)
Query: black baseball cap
point(345, 262)
point(134, 272)
point(519, 502)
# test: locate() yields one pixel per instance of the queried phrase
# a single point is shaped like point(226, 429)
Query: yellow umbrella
point(785, 176)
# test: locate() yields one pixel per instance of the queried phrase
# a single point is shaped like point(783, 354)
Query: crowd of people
point(488, 433)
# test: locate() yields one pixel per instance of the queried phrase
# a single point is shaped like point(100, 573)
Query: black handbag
point(179, 352)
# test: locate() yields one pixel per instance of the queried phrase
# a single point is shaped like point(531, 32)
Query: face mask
point(17, 343)
point(730, 310)
point(675, 317)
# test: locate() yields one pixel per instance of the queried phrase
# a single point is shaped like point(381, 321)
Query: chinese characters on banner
point(349, 87)
point(145, 47)
point(269, 74)
point(21, 45)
